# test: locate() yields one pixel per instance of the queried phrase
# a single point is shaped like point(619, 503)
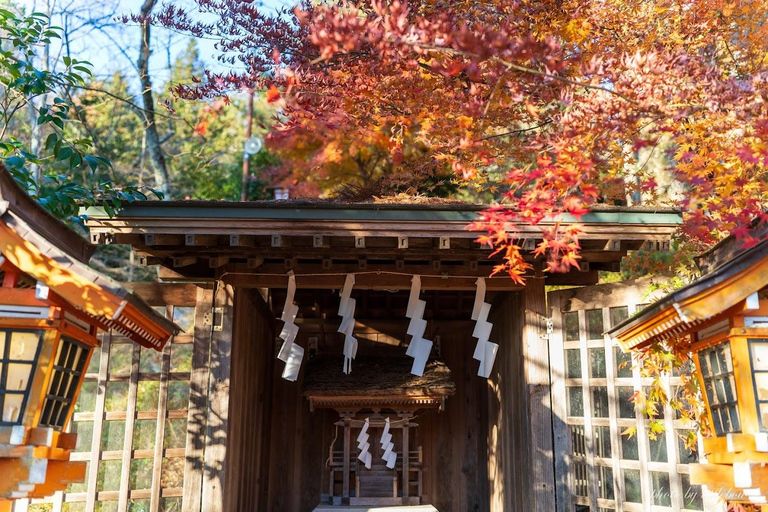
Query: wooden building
point(541, 433)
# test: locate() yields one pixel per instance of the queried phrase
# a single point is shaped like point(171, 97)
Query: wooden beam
point(163, 239)
point(159, 294)
point(368, 281)
point(218, 261)
point(184, 261)
point(203, 240)
point(242, 241)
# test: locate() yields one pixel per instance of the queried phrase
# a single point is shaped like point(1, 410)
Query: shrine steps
point(375, 508)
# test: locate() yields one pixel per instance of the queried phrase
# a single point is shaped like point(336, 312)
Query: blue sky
point(112, 46)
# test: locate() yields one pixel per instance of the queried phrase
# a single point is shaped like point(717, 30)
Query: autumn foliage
point(548, 102)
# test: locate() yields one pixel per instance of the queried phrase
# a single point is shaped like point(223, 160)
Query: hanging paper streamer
point(290, 353)
point(363, 445)
point(347, 327)
point(387, 445)
point(420, 348)
point(485, 351)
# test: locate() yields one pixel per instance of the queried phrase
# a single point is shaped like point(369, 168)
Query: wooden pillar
point(537, 378)
point(406, 462)
point(217, 422)
point(345, 484)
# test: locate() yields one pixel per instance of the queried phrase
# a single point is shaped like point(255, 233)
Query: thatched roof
point(376, 377)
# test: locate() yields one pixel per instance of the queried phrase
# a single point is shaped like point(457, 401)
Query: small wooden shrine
point(51, 306)
point(379, 390)
point(724, 317)
point(288, 378)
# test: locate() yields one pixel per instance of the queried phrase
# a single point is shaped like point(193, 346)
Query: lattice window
point(68, 367)
point(18, 353)
point(131, 419)
point(717, 373)
point(593, 382)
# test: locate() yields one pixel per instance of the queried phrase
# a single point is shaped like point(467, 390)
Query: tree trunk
point(154, 148)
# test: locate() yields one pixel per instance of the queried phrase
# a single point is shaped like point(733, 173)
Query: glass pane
point(575, 401)
point(571, 326)
point(150, 361)
point(113, 435)
point(178, 395)
point(658, 448)
point(170, 504)
point(597, 363)
point(761, 386)
point(618, 315)
point(661, 493)
point(629, 447)
point(173, 472)
point(138, 506)
point(175, 433)
point(764, 415)
point(580, 479)
point(704, 365)
point(106, 506)
point(24, 345)
point(632, 486)
point(12, 408)
point(18, 376)
point(181, 357)
point(692, 497)
point(686, 456)
point(605, 483)
point(120, 358)
point(147, 394)
point(623, 363)
point(595, 324)
point(600, 402)
point(578, 441)
point(626, 405)
point(86, 401)
point(77, 506)
point(84, 431)
point(144, 434)
point(2, 344)
point(116, 398)
point(184, 317)
point(109, 475)
point(141, 474)
point(573, 363)
point(93, 364)
point(602, 440)
point(759, 351)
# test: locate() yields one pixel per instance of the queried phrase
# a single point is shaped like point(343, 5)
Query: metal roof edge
point(364, 212)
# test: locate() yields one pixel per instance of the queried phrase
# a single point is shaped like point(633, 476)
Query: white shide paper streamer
point(290, 353)
point(387, 445)
point(485, 351)
point(347, 327)
point(363, 445)
point(419, 348)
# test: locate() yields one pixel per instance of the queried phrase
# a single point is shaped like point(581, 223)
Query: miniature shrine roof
point(45, 250)
point(376, 381)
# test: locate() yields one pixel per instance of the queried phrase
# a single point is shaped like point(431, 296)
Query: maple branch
point(516, 67)
point(515, 132)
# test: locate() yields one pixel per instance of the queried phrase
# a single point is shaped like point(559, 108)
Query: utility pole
point(246, 156)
